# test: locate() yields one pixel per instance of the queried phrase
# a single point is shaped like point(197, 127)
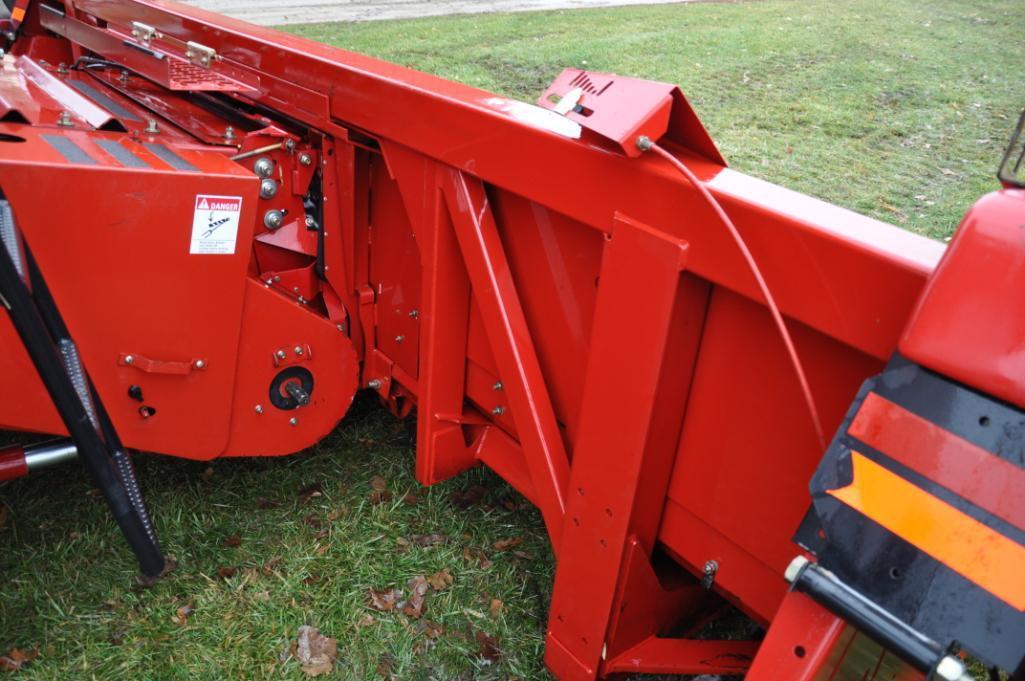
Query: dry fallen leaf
point(378, 484)
point(377, 498)
point(506, 544)
point(17, 658)
point(312, 579)
point(496, 607)
point(431, 629)
point(233, 542)
point(226, 572)
point(310, 491)
point(468, 497)
point(263, 502)
point(314, 521)
point(414, 606)
point(477, 556)
point(488, 647)
point(181, 615)
point(427, 539)
point(268, 567)
point(315, 652)
point(411, 500)
point(384, 665)
point(367, 620)
point(384, 600)
point(441, 580)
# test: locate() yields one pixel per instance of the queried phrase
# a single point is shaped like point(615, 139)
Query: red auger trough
point(715, 390)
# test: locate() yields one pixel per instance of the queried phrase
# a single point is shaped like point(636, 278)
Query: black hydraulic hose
point(40, 344)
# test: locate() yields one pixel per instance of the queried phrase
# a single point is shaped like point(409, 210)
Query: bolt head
point(310, 222)
point(298, 350)
point(273, 219)
point(374, 384)
point(399, 339)
point(711, 567)
point(268, 188)
point(497, 386)
point(129, 359)
point(263, 167)
point(293, 421)
point(280, 354)
point(305, 159)
point(200, 364)
point(498, 411)
point(644, 143)
point(259, 409)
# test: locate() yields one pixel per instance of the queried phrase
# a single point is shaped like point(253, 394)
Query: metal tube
point(49, 453)
point(254, 152)
point(912, 646)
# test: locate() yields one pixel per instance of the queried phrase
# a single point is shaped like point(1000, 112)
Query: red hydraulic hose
point(645, 144)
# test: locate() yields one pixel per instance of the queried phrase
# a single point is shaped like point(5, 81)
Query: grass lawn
point(898, 109)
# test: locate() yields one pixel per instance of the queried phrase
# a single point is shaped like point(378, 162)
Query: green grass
point(895, 109)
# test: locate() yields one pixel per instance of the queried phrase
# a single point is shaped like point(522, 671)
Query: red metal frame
point(554, 304)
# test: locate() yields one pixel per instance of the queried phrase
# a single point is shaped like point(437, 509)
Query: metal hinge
point(200, 55)
point(144, 33)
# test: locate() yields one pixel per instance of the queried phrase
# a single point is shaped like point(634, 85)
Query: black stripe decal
point(170, 158)
point(69, 150)
point(103, 100)
point(123, 156)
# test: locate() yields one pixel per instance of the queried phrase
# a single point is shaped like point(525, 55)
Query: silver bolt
point(399, 339)
point(305, 159)
point(293, 421)
point(129, 359)
point(498, 411)
point(711, 567)
point(269, 282)
point(289, 145)
point(644, 143)
point(268, 188)
point(277, 278)
point(298, 350)
point(280, 354)
point(200, 364)
point(259, 409)
point(151, 127)
point(229, 134)
point(64, 119)
point(341, 327)
point(263, 166)
point(295, 289)
point(497, 386)
point(62, 68)
point(414, 313)
point(374, 384)
point(273, 219)
point(310, 222)
point(124, 77)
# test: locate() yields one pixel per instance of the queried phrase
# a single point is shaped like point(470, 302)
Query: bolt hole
point(983, 421)
point(896, 572)
point(608, 512)
point(576, 521)
point(603, 543)
point(580, 491)
point(608, 237)
point(799, 651)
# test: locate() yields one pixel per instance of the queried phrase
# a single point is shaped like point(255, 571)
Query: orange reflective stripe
point(977, 552)
point(18, 13)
